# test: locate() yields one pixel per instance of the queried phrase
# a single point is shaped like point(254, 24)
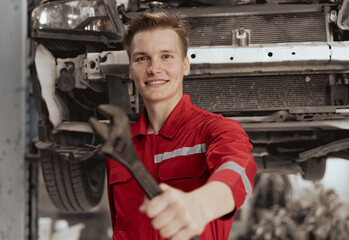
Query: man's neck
point(158, 112)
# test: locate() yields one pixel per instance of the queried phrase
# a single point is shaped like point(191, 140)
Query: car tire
point(314, 168)
point(73, 186)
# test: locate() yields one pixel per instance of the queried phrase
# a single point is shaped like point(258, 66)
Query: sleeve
point(229, 159)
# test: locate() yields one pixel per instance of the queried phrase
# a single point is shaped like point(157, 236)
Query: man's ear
point(186, 66)
point(129, 72)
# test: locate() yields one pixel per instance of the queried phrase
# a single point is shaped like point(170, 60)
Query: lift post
point(15, 204)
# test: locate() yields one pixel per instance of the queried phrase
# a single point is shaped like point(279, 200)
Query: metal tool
point(118, 145)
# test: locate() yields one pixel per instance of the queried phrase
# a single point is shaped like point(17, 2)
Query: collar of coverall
point(172, 123)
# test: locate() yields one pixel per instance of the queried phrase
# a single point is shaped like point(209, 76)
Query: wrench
point(118, 145)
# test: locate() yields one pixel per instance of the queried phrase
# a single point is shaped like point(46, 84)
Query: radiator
point(231, 94)
point(265, 28)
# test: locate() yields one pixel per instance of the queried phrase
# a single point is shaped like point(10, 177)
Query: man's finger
point(171, 229)
point(143, 206)
point(164, 218)
point(158, 204)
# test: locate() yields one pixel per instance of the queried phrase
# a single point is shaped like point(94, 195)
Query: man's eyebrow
point(138, 53)
point(162, 51)
point(168, 51)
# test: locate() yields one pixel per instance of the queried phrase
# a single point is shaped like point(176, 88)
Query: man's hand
point(176, 214)
point(179, 215)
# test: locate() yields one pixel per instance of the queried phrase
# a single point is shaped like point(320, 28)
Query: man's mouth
point(156, 82)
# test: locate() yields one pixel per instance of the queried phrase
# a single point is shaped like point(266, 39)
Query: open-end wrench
point(118, 145)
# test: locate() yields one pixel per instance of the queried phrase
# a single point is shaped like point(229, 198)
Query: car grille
point(246, 94)
point(249, 93)
point(267, 28)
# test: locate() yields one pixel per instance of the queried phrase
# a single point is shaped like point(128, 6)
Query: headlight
point(69, 15)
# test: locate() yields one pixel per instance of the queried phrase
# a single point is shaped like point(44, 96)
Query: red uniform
point(192, 148)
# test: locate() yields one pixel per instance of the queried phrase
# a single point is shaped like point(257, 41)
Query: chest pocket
point(124, 195)
point(184, 172)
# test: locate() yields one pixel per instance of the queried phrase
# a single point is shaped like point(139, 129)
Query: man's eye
point(141, 59)
point(167, 56)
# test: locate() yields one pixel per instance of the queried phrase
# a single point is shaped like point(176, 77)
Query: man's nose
point(154, 66)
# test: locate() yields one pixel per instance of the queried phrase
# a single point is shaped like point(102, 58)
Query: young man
point(202, 160)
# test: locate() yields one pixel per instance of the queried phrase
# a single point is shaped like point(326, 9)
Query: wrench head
point(116, 136)
point(100, 129)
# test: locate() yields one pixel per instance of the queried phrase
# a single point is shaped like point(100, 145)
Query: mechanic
point(202, 161)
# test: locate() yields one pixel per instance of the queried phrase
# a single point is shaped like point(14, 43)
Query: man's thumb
point(164, 186)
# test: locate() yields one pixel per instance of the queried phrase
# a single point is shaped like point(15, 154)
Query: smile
point(156, 82)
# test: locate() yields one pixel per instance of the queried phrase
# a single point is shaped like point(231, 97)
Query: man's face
point(157, 65)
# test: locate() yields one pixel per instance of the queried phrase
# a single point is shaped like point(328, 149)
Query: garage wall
point(13, 197)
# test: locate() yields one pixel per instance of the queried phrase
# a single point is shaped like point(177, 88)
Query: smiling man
point(201, 160)
point(157, 66)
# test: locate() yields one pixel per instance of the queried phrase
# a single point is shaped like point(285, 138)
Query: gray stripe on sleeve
point(240, 170)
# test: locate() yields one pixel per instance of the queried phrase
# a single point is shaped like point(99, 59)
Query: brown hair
point(150, 21)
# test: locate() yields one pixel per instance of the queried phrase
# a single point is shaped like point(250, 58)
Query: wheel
point(72, 187)
point(314, 168)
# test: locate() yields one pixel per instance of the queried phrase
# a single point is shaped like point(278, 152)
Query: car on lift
point(279, 67)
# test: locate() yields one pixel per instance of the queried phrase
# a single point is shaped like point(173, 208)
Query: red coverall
point(193, 147)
